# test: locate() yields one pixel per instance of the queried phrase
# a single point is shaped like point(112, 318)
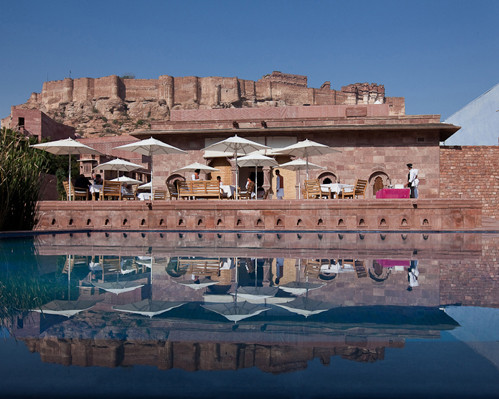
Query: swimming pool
point(189, 314)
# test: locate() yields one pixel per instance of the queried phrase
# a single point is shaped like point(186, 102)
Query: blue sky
point(438, 54)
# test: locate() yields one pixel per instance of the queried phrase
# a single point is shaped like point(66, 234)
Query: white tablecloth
point(228, 190)
point(94, 189)
point(144, 196)
point(336, 187)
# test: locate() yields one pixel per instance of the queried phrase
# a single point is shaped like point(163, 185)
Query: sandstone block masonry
point(471, 172)
point(113, 105)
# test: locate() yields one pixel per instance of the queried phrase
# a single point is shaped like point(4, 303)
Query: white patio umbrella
point(150, 147)
point(66, 147)
point(145, 186)
point(298, 165)
point(236, 145)
point(119, 165)
point(305, 149)
point(127, 180)
point(257, 159)
point(195, 166)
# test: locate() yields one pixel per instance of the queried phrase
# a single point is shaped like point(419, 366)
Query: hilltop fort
point(114, 105)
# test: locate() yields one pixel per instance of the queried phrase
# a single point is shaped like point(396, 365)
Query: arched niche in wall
point(328, 178)
point(376, 182)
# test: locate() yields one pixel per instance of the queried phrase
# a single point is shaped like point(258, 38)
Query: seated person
point(98, 180)
point(250, 188)
point(219, 179)
point(82, 181)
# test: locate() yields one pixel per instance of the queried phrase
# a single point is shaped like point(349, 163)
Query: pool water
point(203, 314)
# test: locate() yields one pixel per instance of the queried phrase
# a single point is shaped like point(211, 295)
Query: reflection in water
point(235, 301)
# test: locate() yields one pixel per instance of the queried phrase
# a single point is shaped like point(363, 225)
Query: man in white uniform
point(412, 181)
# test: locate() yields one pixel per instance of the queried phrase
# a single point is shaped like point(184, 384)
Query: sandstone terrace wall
point(471, 172)
point(112, 105)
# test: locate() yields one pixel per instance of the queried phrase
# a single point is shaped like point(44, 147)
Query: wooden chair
point(76, 192)
point(130, 195)
point(111, 189)
point(358, 190)
point(172, 190)
point(313, 189)
point(247, 193)
point(159, 195)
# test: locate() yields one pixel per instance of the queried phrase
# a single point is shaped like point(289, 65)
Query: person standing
point(279, 185)
point(195, 176)
point(412, 180)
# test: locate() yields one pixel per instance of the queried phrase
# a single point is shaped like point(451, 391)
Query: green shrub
point(20, 170)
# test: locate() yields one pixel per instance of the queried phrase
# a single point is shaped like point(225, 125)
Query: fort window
point(20, 121)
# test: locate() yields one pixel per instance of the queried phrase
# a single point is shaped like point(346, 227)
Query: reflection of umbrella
point(236, 311)
point(65, 308)
point(127, 180)
point(300, 287)
point(256, 159)
point(118, 287)
point(236, 145)
point(66, 147)
point(297, 165)
point(148, 307)
point(198, 284)
point(195, 166)
point(306, 148)
point(150, 147)
point(305, 306)
point(256, 293)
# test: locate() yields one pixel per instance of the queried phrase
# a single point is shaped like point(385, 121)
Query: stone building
point(373, 143)
point(35, 123)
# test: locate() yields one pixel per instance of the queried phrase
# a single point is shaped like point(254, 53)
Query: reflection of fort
point(273, 344)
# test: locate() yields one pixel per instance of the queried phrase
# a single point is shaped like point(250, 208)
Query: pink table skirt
point(393, 193)
point(393, 262)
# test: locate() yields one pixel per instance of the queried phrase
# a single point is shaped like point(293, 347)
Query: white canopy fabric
point(119, 165)
point(194, 166)
point(236, 145)
point(66, 147)
point(297, 165)
point(127, 180)
point(150, 147)
point(306, 149)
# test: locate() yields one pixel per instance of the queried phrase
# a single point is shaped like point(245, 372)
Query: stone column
point(267, 178)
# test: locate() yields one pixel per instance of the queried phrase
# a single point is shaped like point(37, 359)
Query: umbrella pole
point(256, 182)
point(299, 184)
point(237, 175)
point(69, 181)
point(151, 177)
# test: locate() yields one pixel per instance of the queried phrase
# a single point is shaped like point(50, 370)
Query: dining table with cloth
point(228, 190)
point(335, 188)
point(146, 196)
point(95, 189)
point(393, 193)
